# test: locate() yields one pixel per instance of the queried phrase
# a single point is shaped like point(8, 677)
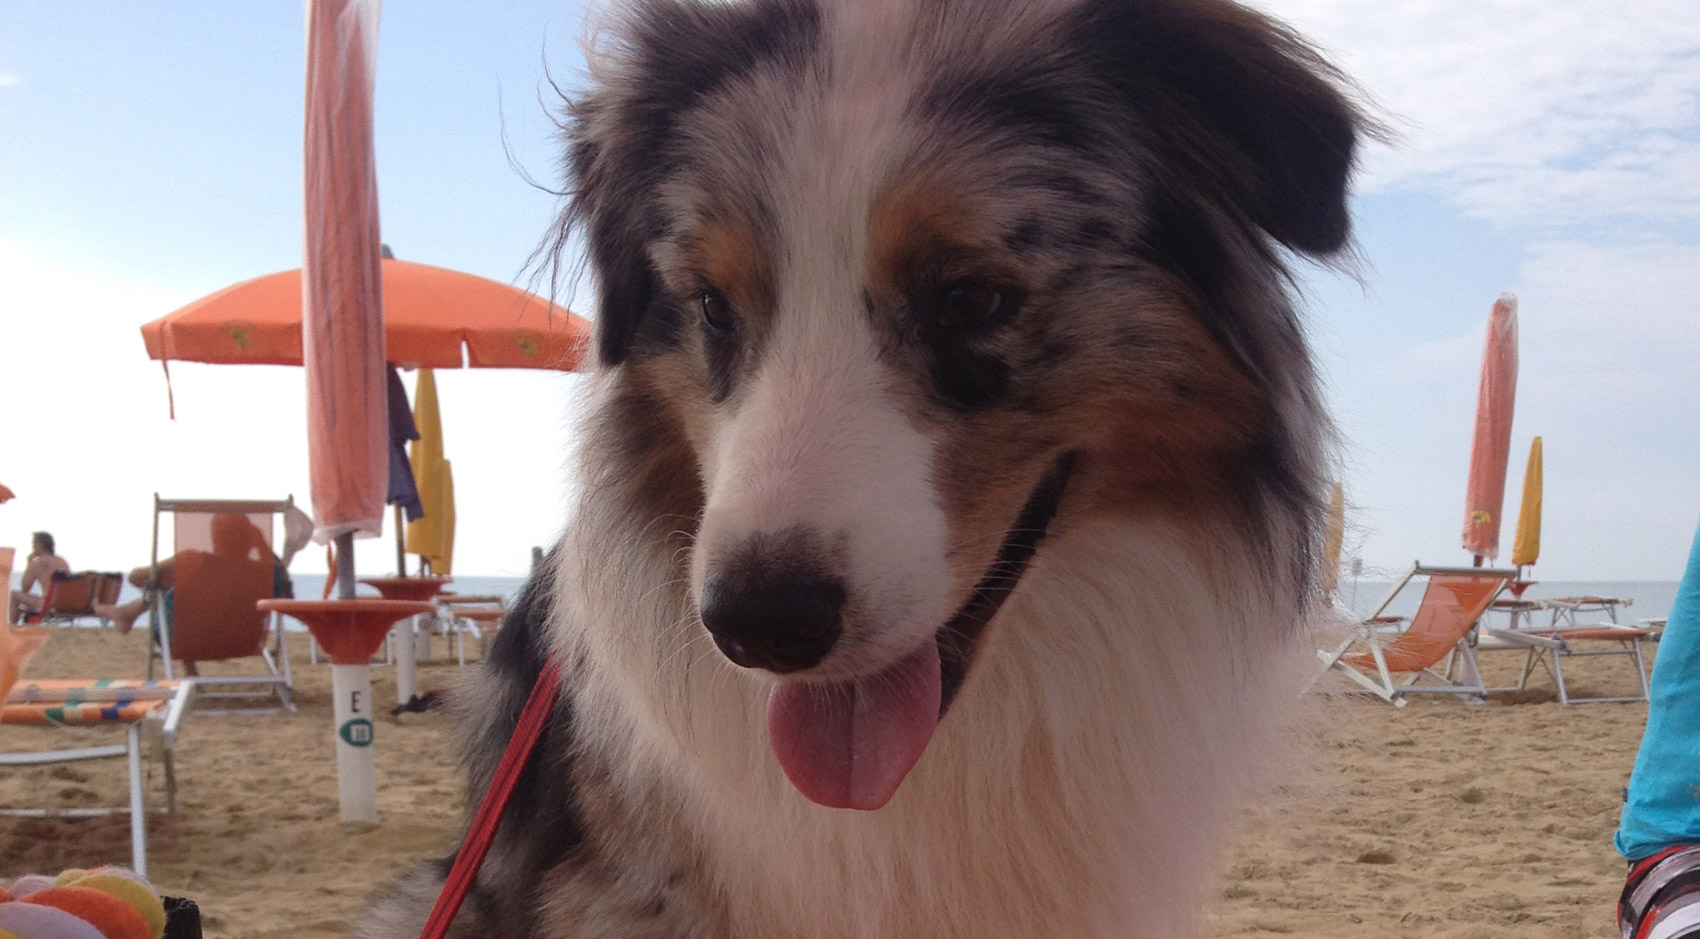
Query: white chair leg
point(1641, 671)
point(138, 809)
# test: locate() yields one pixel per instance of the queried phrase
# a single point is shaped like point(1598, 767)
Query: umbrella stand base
point(350, 631)
point(356, 774)
point(404, 635)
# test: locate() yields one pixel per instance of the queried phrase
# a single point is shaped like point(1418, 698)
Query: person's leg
point(122, 615)
point(24, 604)
point(1661, 812)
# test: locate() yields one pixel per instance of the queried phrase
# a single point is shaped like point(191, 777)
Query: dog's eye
point(968, 304)
point(716, 310)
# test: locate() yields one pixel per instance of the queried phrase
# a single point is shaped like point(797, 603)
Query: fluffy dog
point(948, 492)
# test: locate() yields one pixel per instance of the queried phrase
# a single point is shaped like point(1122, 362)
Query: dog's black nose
point(783, 624)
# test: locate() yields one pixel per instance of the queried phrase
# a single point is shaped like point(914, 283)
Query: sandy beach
point(1435, 820)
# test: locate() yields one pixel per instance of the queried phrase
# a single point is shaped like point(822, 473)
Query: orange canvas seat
point(222, 564)
point(1435, 646)
point(72, 701)
point(68, 598)
point(1594, 632)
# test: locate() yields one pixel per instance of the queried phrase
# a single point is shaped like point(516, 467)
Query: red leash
point(483, 830)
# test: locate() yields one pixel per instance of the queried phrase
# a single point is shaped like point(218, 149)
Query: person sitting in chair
point(42, 568)
point(239, 552)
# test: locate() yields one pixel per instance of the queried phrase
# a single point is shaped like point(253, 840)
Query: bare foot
point(122, 615)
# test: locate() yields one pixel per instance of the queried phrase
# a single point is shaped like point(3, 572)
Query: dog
point(949, 487)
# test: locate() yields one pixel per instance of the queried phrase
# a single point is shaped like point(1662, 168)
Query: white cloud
point(1527, 112)
point(1574, 129)
point(10, 80)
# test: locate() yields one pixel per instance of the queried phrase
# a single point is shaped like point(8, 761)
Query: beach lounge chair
point(128, 704)
point(1565, 637)
point(71, 597)
point(475, 615)
point(1435, 646)
point(221, 566)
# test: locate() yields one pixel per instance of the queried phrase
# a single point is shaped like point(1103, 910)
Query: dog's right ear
point(659, 60)
point(1255, 118)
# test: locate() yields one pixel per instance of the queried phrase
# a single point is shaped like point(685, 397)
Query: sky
point(150, 154)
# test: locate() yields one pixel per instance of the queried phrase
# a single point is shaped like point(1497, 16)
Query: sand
point(1435, 820)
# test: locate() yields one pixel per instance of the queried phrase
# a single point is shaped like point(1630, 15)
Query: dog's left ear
point(1251, 110)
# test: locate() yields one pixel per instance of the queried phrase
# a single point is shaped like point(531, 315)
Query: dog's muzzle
point(850, 743)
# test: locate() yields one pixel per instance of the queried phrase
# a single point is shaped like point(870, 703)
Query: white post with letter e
point(356, 776)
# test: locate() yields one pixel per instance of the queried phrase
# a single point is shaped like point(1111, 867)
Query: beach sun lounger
point(1565, 637)
point(475, 615)
point(130, 704)
point(1435, 647)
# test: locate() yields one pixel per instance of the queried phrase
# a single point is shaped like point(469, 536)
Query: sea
point(312, 586)
point(1648, 599)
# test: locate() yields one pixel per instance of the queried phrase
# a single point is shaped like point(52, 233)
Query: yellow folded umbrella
point(443, 560)
point(1526, 548)
point(432, 535)
point(1333, 535)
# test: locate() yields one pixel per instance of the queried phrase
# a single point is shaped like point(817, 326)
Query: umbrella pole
point(345, 566)
point(405, 641)
point(400, 549)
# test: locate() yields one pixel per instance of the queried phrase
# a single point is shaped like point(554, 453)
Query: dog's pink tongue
point(849, 745)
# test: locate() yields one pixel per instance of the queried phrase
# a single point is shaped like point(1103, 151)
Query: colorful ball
point(35, 921)
point(28, 884)
point(131, 891)
point(111, 916)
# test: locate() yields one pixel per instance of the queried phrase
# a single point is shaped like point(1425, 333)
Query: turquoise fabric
point(1663, 807)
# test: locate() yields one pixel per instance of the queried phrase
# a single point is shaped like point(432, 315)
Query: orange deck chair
point(64, 702)
point(1436, 645)
point(72, 597)
point(222, 564)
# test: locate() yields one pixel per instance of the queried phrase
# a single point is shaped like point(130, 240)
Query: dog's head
point(900, 279)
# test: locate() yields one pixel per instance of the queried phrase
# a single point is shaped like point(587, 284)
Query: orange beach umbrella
point(1490, 448)
point(430, 315)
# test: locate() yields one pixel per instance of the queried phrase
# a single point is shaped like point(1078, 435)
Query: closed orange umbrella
point(431, 314)
point(342, 297)
point(1490, 448)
